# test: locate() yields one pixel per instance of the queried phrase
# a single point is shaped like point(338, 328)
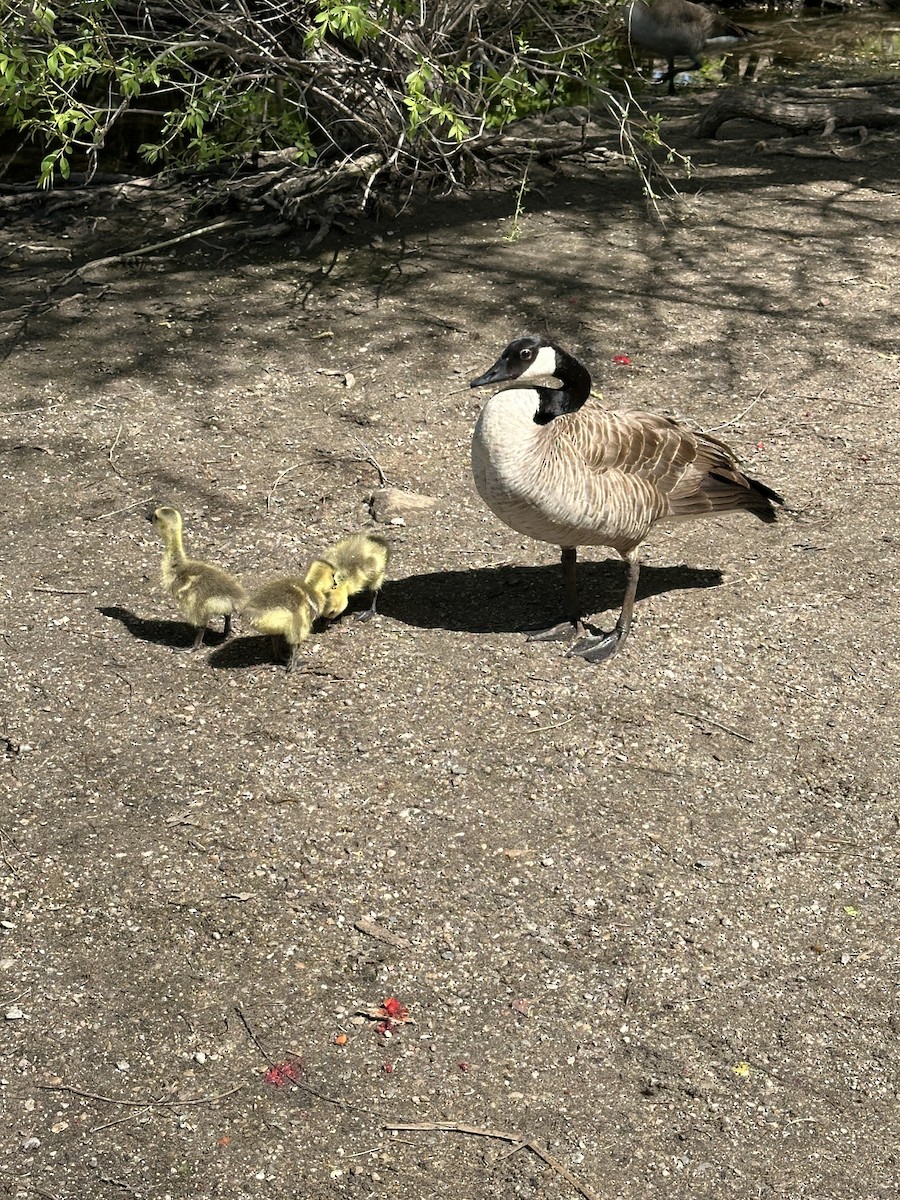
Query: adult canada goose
point(558, 468)
point(680, 29)
point(200, 590)
point(359, 563)
point(285, 609)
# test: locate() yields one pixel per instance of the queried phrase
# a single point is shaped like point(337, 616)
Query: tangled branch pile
point(366, 93)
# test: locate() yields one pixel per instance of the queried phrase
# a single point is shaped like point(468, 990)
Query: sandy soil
point(643, 914)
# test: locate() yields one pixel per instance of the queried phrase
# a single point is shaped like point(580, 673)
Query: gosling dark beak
point(150, 513)
point(498, 373)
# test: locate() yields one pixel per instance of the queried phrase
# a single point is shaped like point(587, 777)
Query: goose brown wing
point(640, 444)
point(689, 473)
point(715, 483)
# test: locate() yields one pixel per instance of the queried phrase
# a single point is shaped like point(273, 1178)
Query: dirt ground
point(642, 914)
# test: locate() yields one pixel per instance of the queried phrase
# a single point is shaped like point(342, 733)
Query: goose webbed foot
point(599, 649)
point(563, 632)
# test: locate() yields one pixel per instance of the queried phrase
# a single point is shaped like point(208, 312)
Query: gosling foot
point(197, 644)
point(365, 614)
point(598, 649)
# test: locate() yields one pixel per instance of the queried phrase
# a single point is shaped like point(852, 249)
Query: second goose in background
point(556, 467)
point(200, 590)
point(680, 29)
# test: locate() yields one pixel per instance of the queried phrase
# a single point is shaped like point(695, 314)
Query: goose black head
point(535, 358)
point(525, 358)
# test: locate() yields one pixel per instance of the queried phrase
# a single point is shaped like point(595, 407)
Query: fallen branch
point(716, 724)
point(519, 1143)
point(804, 112)
point(373, 930)
point(281, 474)
point(62, 591)
point(151, 1103)
point(115, 511)
point(112, 259)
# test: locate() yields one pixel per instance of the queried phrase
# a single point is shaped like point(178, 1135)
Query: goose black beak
point(498, 373)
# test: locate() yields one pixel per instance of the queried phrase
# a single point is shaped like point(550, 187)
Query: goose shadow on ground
point(251, 650)
point(510, 599)
point(505, 599)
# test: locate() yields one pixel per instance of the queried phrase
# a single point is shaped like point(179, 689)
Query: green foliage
point(425, 107)
point(332, 78)
point(349, 21)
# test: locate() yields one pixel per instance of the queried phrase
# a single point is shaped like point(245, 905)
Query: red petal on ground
point(394, 1009)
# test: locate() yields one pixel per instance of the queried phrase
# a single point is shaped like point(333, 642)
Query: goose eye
point(526, 355)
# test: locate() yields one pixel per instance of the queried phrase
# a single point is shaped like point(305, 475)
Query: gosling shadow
point(251, 650)
point(511, 599)
point(177, 634)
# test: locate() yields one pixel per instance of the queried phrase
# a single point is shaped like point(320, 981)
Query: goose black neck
point(576, 387)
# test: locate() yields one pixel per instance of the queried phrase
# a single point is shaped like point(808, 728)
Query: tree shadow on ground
point(508, 599)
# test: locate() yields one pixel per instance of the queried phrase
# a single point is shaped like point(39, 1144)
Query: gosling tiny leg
point(368, 613)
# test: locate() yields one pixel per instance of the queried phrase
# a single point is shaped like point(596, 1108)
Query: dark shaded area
point(177, 634)
point(251, 651)
point(506, 599)
point(510, 599)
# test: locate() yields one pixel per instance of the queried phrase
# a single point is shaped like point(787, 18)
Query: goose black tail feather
point(758, 498)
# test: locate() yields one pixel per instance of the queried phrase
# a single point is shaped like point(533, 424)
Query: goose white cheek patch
point(544, 364)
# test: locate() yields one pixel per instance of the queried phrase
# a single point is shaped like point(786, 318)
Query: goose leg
point(672, 76)
point(572, 625)
point(598, 649)
point(277, 645)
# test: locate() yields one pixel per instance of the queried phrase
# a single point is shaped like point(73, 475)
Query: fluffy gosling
point(285, 609)
point(200, 590)
point(359, 563)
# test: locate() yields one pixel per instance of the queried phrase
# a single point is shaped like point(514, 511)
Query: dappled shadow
point(177, 634)
point(511, 599)
point(434, 283)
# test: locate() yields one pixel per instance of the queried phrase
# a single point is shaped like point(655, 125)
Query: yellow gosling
point(359, 563)
point(285, 609)
point(200, 590)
